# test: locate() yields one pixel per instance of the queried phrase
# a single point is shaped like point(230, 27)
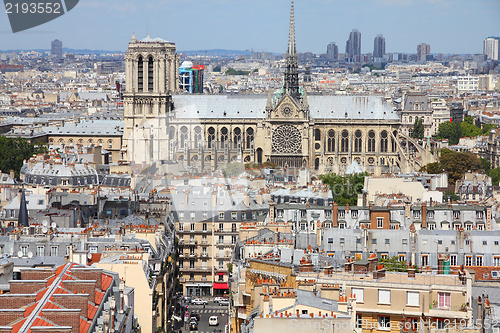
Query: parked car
point(217, 299)
point(213, 321)
point(217, 330)
point(224, 302)
point(188, 299)
point(199, 301)
point(195, 316)
point(193, 326)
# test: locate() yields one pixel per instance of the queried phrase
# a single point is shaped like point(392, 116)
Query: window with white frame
point(425, 260)
point(380, 222)
point(479, 260)
point(453, 260)
point(456, 214)
point(221, 239)
point(416, 214)
point(359, 293)
point(234, 215)
point(341, 214)
point(354, 214)
point(480, 226)
point(53, 251)
point(496, 261)
point(181, 216)
point(430, 214)
point(444, 300)
point(384, 296)
point(205, 215)
point(192, 216)
point(412, 298)
point(221, 215)
point(221, 264)
point(40, 251)
point(204, 227)
point(468, 260)
point(192, 227)
point(181, 226)
point(384, 322)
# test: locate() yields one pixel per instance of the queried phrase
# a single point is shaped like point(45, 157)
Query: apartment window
point(479, 215)
point(468, 260)
point(181, 215)
point(480, 226)
point(221, 226)
point(204, 264)
point(485, 242)
point(456, 214)
point(444, 300)
point(496, 261)
point(342, 241)
point(192, 216)
point(234, 215)
point(330, 240)
point(354, 214)
point(359, 293)
point(221, 264)
point(380, 222)
point(205, 215)
point(204, 239)
point(384, 296)
point(496, 243)
point(221, 239)
point(181, 264)
point(358, 240)
point(328, 214)
point(40, 251)
point(53, 251)
point(394, 226)
point(341, 225)
point(254, 216)
point(425, 260)
point(68, 249)
point(304, 312)
point(221, 216)
point(243, 215)
point(387, 241)
point(191, 239)
point(479, 260)
point(181, 226)
point(430, 214)
point(440, 242)
point(453, 260)
point(416, 214)
point(303, 226)
point(204, 277)
point(468, 226)
point(402, 257)
point(404, 241)
point(384, 322)
point(204, 227)
point(341, 214)
point(233, 239)
point(452, 242)
point(191, 250)
point(221, 277)
point(374, 241)
point(192, 227)
point(412, 298)
point(467, 241)
point(191, 276)
point(233, 227)
point(191, 264)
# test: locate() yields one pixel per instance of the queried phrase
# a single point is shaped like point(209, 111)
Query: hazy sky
point(449, 26)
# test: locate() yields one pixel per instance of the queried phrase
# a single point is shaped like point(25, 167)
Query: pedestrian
point(204, 305)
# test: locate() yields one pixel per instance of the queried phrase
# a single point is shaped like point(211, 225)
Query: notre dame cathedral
point(325, 133)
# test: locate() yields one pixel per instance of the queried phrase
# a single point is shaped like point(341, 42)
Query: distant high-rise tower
point(56, 49)
point(491, 48)
point(379, 46)
point(353, 44)
point(332, 51)
point(422, 51)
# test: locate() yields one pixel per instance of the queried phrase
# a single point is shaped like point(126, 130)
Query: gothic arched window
point(236, 137)
point(140, 74)
point(249, 140)
point(184, 137)
point(150, 74)
point(223, 136)
point(383, 141)
point(211, 137)
point(344, 143)
point(358, 142)
point(371, 141)
point(198, 141)
point(330, 144)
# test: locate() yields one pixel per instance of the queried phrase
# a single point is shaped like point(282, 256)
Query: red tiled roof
point(40, 294)
point(98, 296)
point(84, 325)
point(40, 322)
point(49, 282)
point(59, 269)
point(96, 257)
point(17, 326)
point(483, 273)
point(51, 305)
point(91, 311)
point(29, 309)
point(106, 281)
point(60, 290)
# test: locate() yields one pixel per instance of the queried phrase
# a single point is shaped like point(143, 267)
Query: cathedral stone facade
point(287, 127)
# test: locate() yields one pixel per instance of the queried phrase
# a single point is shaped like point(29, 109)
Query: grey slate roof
point(253, 107)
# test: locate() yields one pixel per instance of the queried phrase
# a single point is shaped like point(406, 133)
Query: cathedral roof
point(254, 106)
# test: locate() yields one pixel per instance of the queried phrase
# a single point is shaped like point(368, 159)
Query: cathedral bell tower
point(291, 79)
point(151, 69)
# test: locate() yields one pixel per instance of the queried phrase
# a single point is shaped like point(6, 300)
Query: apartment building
point(208, 220)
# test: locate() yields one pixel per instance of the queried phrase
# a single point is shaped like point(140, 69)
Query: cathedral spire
point(292, 50)
point(291, 79)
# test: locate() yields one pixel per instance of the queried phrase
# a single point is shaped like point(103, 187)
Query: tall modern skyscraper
point(491, 48)
point(379, 46)
point(353, 44)
point(332, 52)
point(56, 48)
point(422, 51)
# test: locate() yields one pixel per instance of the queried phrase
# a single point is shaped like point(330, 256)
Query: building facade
point(378, 47)
point(491, 48)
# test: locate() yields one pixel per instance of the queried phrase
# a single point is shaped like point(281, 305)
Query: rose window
point(286, 139)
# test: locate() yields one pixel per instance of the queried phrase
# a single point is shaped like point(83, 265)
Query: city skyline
point(219, 25)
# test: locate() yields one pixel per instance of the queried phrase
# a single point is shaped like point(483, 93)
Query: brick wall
point(81, 287)
point(64, 318)
point(25, 287)
point(89, 274)
point(37, 274)
point(9, 316)
point(72, 301)
point(50, 329)
point(16, 301)
point(5, 329)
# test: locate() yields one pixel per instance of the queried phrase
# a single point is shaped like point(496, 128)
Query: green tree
point(14, 150)
point(393, 264)
point(495, 176)
point(487, 128)
point(451, 131)
point(468, 128)
point(457, 164)
point(345, 189)
point(418, 129)
point(432, 168)
point(486, 165)
point(217, 69)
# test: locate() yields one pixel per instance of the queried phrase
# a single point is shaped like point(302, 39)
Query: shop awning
point(221, 285)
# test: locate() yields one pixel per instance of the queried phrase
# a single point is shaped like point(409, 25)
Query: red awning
point(221, 285)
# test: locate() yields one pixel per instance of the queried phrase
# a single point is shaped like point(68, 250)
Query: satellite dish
point(89, 255)
point(44, 229)
point(45, 223)
point(20, 254)
point(30, 255)
point(53, 225)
